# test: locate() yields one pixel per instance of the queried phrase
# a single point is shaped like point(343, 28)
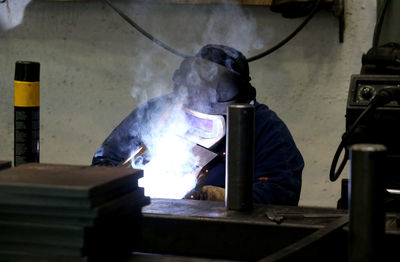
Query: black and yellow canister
point(26, 112)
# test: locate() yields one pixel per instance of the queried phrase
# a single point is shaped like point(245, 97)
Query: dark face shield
point(207, 87)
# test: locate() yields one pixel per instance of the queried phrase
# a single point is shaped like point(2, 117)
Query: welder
point(205, 85)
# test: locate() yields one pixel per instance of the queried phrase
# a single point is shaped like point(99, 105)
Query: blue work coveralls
point(278, 163)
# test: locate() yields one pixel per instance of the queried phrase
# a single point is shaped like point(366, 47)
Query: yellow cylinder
point(26, 94)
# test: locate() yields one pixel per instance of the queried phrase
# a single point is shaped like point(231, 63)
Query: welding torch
point(141, 150)
point(201, 172)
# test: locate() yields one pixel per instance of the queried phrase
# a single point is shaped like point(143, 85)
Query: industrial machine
point(371, 143)
point(372, 111)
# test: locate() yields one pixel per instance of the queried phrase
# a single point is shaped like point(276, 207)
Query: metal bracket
point(338, 11)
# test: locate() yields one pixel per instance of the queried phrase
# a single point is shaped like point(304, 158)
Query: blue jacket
point(278, 162)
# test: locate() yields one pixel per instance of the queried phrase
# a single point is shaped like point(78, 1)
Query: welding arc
point(146, 34)
point(289, 37)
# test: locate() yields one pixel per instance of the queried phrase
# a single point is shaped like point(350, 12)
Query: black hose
point(289, 37)
point(334, 175)
point(383, 97)
point(144, 32)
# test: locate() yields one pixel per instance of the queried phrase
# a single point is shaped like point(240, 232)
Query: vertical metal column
point(240, 157)
point(367, 214)
point(26, 112)
point(389, 32)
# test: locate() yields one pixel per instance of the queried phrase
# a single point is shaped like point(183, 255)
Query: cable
point(333, 176)
point(378, 100)
point(378, 26)
point(256, 57)
point(145, 33)
point(289, 37)
point(383, 97)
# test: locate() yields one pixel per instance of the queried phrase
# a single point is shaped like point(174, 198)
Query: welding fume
point(179, 139)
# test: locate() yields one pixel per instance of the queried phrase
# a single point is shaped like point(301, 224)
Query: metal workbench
point(206, 229)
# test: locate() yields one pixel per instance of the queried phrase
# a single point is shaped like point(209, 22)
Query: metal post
point(367, 214)
point(389, 32)
point(26, 112)
point(240, 157)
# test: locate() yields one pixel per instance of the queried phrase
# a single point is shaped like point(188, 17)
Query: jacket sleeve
point(127, 136)
point(278, 162)
point(120, 143)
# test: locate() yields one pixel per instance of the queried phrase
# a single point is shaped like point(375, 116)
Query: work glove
point(212, 193)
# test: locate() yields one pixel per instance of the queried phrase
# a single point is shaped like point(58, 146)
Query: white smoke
point(231, 24)
point(12, 13)
point(169, 172)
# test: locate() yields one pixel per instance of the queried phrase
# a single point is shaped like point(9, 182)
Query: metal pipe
point(26, 112)
point(240, 157)
point(367, 214)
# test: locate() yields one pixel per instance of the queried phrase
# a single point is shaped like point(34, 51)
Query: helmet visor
point(205, 130)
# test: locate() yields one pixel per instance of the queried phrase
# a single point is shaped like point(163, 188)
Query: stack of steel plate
point(69, 213)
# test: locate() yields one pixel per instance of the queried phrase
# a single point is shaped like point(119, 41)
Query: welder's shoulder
point(267, 118)
point(262, 109)
point(270, 127)
point(272, 132)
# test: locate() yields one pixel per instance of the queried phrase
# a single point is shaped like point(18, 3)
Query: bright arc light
point(169, 174)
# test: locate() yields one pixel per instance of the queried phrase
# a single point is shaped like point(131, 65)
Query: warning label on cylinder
point(26, 135)
point(26, 94)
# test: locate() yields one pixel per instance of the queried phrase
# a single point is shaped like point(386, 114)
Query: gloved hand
point(212, 193)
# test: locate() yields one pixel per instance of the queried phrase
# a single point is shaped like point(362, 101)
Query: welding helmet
point(216, 77)
point(207, 83)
